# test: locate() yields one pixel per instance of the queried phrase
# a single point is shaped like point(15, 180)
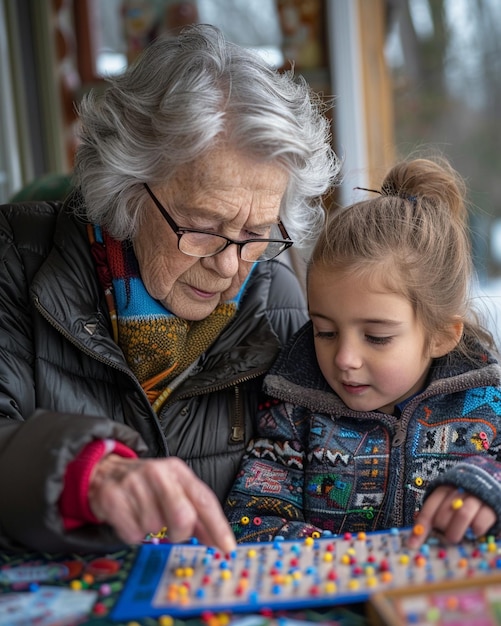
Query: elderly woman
point(137, 319)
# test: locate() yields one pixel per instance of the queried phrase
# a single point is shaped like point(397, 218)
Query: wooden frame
point(386, 608)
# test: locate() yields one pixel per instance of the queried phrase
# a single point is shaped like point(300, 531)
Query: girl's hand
point(141, 496)
point(451, 512)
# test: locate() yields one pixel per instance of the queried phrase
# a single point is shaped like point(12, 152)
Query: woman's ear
point(448, 339)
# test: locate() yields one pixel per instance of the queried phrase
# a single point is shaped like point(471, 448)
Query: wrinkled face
point(370, 347)
point(225, 193)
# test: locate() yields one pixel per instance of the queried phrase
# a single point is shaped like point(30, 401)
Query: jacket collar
point(67, 292)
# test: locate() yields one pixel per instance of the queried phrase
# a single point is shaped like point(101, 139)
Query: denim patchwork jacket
point(315, 464)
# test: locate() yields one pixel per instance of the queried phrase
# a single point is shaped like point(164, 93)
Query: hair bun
point(433, 181)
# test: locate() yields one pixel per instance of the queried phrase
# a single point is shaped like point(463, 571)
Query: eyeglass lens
point(208, 244)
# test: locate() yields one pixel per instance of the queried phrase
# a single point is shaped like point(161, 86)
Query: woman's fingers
point(191, 508)
point(140, 496)
point(119, 497)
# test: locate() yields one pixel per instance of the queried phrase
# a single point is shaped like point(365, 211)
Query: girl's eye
point(325, 334)
point(380, 341)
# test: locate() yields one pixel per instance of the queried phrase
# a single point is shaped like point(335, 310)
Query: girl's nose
point(347, 356)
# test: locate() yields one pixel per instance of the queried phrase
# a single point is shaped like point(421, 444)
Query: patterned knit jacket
point(316, 464)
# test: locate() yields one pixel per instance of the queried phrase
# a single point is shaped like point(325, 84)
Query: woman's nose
point(226, 262)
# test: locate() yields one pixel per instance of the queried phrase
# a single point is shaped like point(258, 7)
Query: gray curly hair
point(177, 101)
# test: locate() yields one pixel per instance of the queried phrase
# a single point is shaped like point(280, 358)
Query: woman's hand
point(141, 496)
point(451, 513)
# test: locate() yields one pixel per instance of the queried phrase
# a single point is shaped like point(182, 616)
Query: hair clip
point(371, 190)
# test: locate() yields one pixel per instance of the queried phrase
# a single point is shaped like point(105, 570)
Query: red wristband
point(74, 503)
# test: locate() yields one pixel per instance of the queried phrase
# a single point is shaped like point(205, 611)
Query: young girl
point(385, 409)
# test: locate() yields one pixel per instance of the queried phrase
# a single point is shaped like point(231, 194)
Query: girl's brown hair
point(413, 235)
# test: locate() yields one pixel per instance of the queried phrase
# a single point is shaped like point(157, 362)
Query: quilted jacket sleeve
point(33, 459)
point(36, 445)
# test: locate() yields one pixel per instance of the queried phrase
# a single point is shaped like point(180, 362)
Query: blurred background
point(405, 76)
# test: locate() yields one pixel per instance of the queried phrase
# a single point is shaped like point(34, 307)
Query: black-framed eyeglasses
point(199, 243)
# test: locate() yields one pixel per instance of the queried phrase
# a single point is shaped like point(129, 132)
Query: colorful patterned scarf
point(158, 346)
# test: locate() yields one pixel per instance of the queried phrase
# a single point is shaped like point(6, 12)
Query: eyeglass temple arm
point(283, 231)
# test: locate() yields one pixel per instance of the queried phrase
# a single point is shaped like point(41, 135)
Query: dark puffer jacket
point(64, 382)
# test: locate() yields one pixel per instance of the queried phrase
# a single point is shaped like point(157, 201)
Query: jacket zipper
point(236, 420)
point(219, 387)
point(399, 436)
point(396, 445)
point(237, 426)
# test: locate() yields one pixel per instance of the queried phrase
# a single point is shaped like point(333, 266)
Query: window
point(445, 58)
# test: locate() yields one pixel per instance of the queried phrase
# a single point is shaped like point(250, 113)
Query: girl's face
point(370, 347)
